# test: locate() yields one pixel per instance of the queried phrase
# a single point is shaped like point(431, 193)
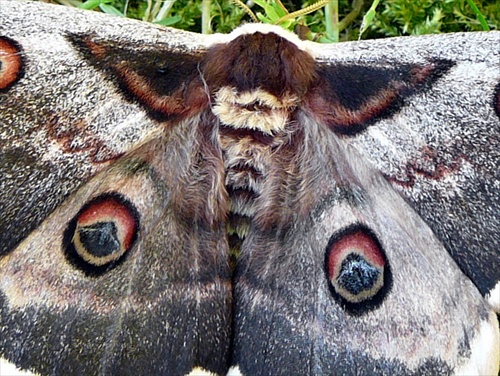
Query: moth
point(245, 204)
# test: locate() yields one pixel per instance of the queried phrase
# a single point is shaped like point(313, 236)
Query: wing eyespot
point(102, 233)
point(357, 269)
point(11, 63)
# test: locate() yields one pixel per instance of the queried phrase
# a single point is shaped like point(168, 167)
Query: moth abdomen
point(257, 81)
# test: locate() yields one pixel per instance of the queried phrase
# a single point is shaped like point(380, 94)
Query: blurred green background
point(391, 18)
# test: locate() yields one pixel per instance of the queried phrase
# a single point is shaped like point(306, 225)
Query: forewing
point(61, 120)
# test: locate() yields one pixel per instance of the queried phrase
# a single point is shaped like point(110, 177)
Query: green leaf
point(272, 12)
point(479, 15)
point(91, 4)
point(169, 21)
point(368, 18)
point(111, 10)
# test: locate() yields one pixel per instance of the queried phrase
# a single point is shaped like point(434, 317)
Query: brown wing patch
point(165, 82)
point(349, 98)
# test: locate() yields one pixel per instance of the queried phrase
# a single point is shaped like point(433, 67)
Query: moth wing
point(439, 147)
point(299, 278)
point(163, 306)
point(62, 121)
point(71, 149)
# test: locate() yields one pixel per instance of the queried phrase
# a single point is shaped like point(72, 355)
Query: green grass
point(391, 18)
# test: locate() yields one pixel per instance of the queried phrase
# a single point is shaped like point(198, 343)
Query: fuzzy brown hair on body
point(245, 204)
point(260, 61)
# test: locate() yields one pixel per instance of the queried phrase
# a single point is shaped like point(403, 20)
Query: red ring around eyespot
point(11, 63)
point(107, 210)
point(357, 270)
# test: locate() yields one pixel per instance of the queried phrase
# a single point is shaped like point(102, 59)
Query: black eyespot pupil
point(100, 239)
point(357, 275)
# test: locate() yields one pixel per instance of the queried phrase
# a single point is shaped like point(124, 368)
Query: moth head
point(258, 60)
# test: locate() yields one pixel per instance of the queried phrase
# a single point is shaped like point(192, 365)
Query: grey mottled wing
point(299, 150)
point(106, 267)
point(441, 150)
point(420, 314)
